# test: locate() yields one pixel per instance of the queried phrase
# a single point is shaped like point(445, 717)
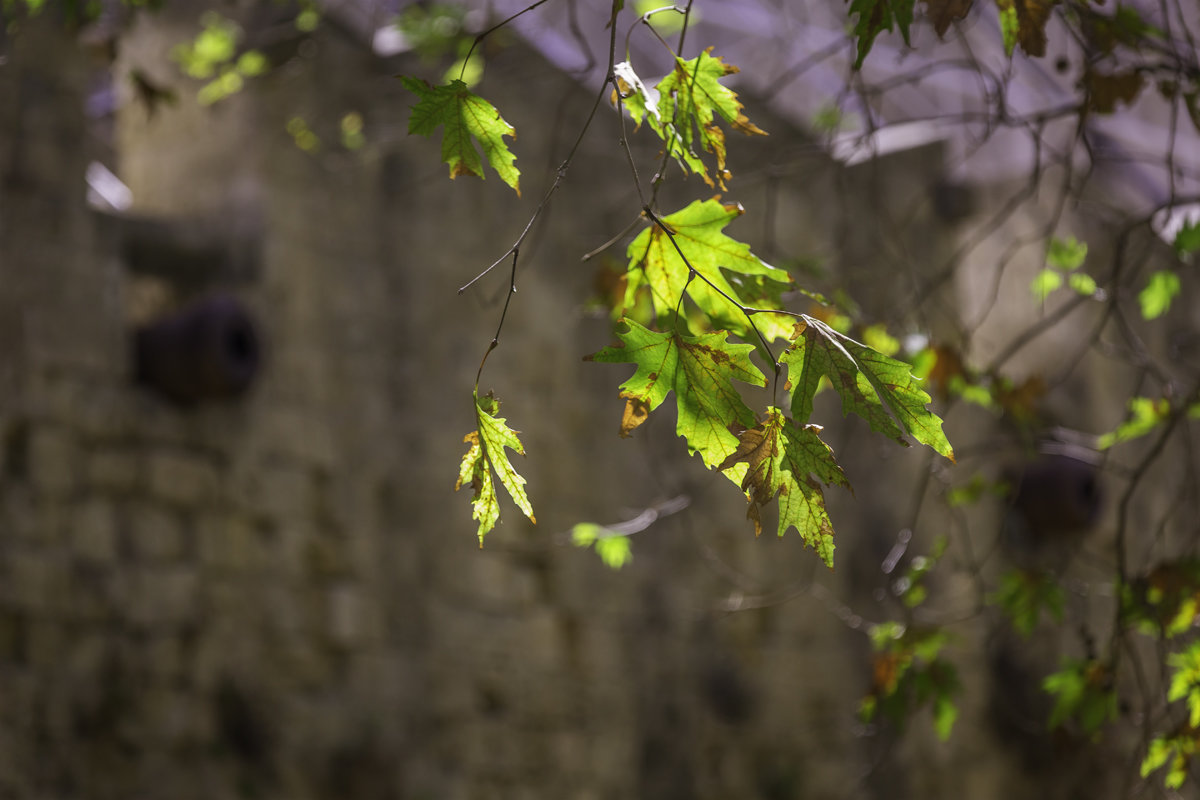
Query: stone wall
point(282, 596)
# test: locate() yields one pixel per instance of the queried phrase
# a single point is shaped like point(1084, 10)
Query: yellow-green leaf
point(467, 118)
point(682, 108)
point(486, 455)
point(1158, 293)
point(789, 462)
point(878, 388)
point(660, 260)
point(700, 370)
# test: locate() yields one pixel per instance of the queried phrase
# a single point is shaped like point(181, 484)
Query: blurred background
point(236, 370)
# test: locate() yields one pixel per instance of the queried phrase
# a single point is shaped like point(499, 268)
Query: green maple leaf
point(700, 370)
point(682, 109)
point(689, 97)
point(655, 262)
point(880, 389)
point(875, 16)
point(485, 456)
point(789, 462)
point(465, 116)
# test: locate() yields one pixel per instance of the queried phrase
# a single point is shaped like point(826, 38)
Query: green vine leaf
point(660, 260)
point(465, 116)
point(700, 370)
point(485, 456)
point(790, 462)
point(879, 389)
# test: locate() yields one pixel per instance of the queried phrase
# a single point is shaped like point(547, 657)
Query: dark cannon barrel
point(207, 350)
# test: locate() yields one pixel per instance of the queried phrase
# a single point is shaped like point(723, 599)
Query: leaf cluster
point(1083, 694)
point(712, 304)
point(908, 673)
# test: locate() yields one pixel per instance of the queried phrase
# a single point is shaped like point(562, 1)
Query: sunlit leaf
point(789, 462)
point(1175, 752)
point(612, 547)
point(467, 118)
point(1145, 415)
point(700, 370)
point(689, 99)
point(252, 63)
point(876, 337)
point(1082, 283)
point(1044, 284)
point(486, 455)
point(1066, 254)
point(660, 260)
point(878, 388)
point(1009, 25)
point(1156, 297)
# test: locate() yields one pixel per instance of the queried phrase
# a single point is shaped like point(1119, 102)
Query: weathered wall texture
point(281, 597)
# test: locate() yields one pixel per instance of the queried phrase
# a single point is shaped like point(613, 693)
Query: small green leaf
point(1082, 691)
point(945, 712)
point(614, 551)
point(1160, 290)
point(1009, 25)
point(1175, 753)
point(1044, 283)
point(486, 455)
point(1066, 254)
point(1082, 283)
point(1145, 415)
point(466, 117)
point(613, 548)
point(252, 63)
point(1187, 240)
point(1023, 596)
point(307, 20)
point(877, 338)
